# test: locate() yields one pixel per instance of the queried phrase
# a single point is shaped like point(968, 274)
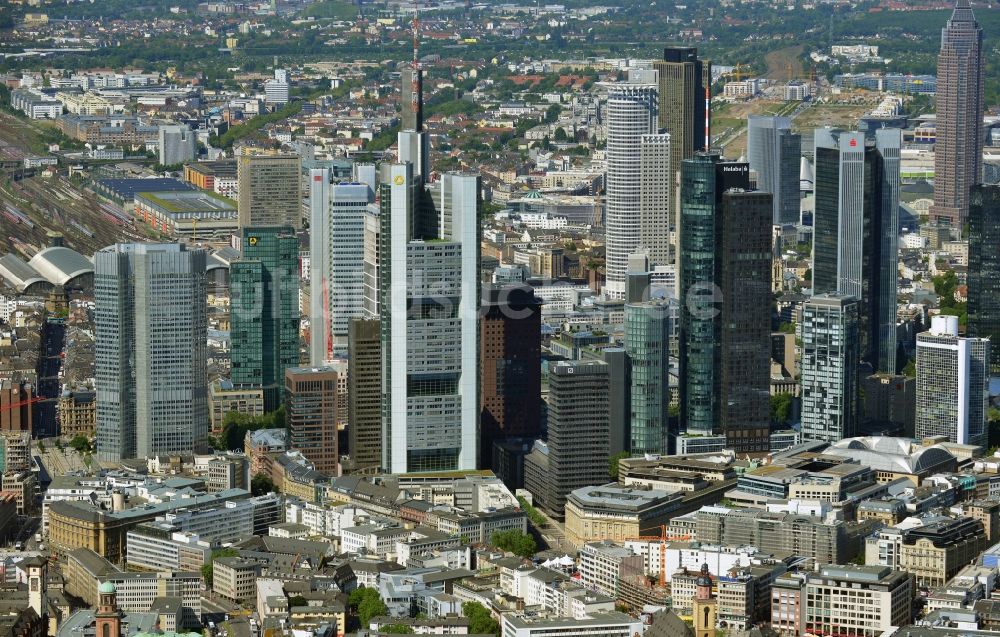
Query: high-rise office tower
point(578, 436)
point(656, 189)
point(429, 306)
point(984, 267)
point(647, 344)
point(311, 412)
point(510, 352)
point(177, 144)
point(856, 232)
point(683, 80)
point(270, 188)
point(264, 308)
point(150, 350)
point(412, 89)
point(953, 383)
point(830, 368)
point(724, 277)
point(958, 149)
point(631, 115)
point(364, 395)
point(336, 249)
point(370, 268)
point(774, 153)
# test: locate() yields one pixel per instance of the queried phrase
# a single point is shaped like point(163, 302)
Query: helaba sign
point(735, 168)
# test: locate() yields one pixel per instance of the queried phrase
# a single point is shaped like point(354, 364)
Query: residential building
point(855, 232)
point(77, 409)
point(270, 189)
point(311, 413)
point(151, 325)
point(264, 308)
point(829, 368)
point(774, 153)
point(260, 444)
point(510, 389)
point(429, 274)
point(958, 148)
point(336, 258)
point(724, 270)
point(604, 565)
point(952, 383)
point(983, 274)
point(364, 395)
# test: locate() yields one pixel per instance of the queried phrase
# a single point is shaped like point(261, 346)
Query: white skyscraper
point(655, 192)
point(952, 383)
point(829, 367)
point(429, 311)
point(336, 247)
point(775, 152)
point(632, 113)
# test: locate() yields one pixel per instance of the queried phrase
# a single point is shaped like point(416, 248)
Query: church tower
point(36, 568)
point(107, 619)
point(705, 605)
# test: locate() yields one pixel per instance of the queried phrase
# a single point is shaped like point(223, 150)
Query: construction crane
point(663, 538)
point(22, 403)
point(738, 73)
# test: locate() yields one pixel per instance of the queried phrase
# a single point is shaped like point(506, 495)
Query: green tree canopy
point(514, 541)
point(481, 622)
point(613, 463)
point(367, 604)
point(261, 484)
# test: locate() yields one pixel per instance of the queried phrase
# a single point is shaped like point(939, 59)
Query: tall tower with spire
point(959, 146)
point(705, 605)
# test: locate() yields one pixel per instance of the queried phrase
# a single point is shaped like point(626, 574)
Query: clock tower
point(705, 605)
point(107, 619)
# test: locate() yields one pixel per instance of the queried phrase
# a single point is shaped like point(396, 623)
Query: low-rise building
point(607, 624)
point(935, 552)
point(224, 397)
point(617, 513)
point(864, 601)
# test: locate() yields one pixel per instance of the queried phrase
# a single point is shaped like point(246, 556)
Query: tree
point(560, 134)
point(81, 443)
point(481, 622)
point(261, 484)
point(781, 409)
point(552, 113)
point(367, 604)
point(613, 463)
point(396, 629)
point(207, 572)
point(514, 541)
point(910, 369)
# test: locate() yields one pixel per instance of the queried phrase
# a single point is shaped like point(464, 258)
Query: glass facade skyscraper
point(724, 278)
point(264, 308)
point(647, 343)
point(774, 152)
point(829, 368)
point(856, 232)
point(429, 306)
point(984, 267)
point(150, 350)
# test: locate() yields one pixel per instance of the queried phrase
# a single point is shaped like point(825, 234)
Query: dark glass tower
point(856, 229)
point(959, 130)
point(264, 291)
point(510, 354)
point(725, 282)
point(984, 267)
